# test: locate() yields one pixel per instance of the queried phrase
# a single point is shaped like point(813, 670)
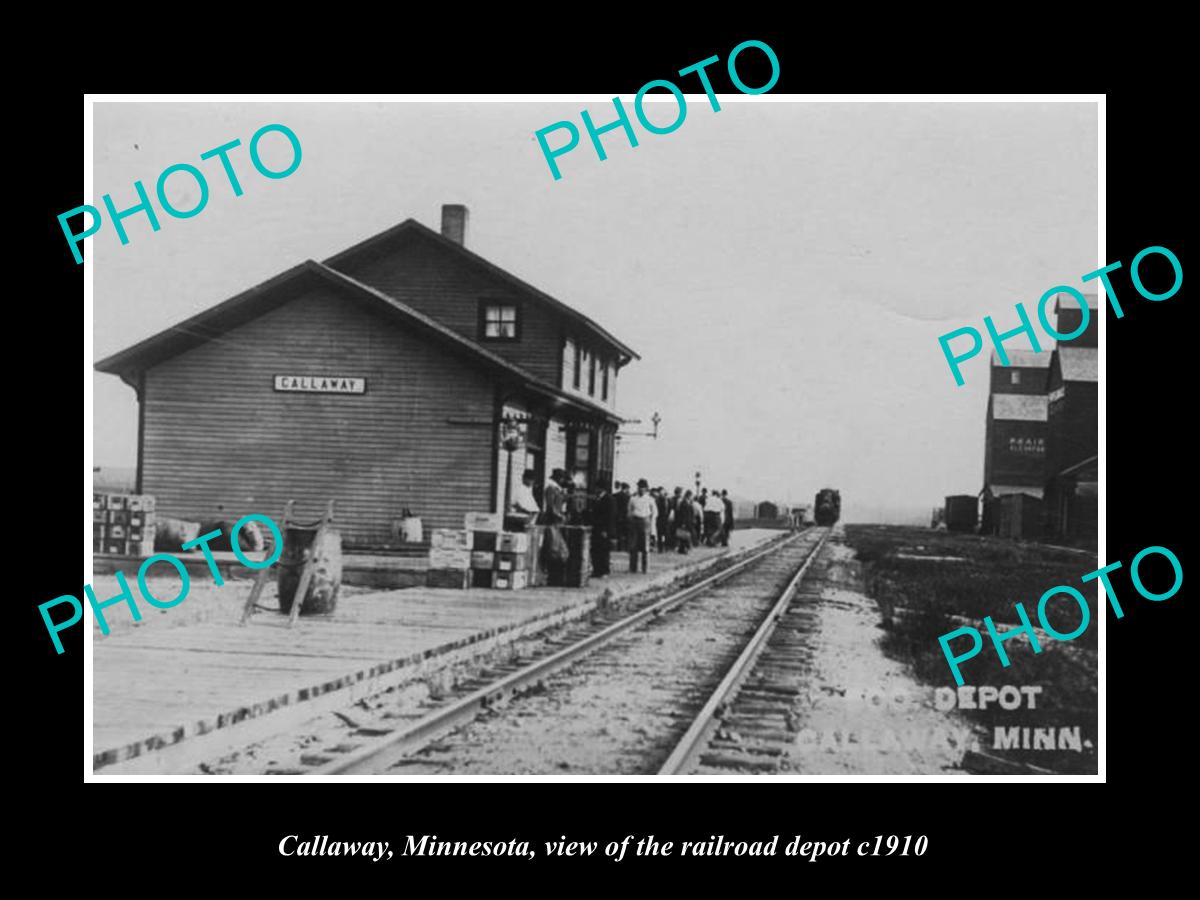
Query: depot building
point(404, 373)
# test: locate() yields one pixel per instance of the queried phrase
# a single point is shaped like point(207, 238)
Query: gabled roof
point(1024, 359)
point(262, 298)
point(1019, 407)
point(1078, 363)
point(414, 227)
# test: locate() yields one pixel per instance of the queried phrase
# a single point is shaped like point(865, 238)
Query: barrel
point(326, 579)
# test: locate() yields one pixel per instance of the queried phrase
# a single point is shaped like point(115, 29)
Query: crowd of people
point(638, 521)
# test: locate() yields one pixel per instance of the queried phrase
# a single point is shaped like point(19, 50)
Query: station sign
point(321, 384)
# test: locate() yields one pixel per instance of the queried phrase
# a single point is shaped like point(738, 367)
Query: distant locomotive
point(828, 506)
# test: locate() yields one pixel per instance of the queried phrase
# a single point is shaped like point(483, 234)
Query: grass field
point(928, 583)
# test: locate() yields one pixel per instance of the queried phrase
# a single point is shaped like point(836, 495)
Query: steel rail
point(696, 738)
point(387, 750)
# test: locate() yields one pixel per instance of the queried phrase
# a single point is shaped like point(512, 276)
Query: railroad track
point(722, 622)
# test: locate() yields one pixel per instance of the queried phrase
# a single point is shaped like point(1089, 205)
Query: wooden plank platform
point(166, 690)
point(382, 570)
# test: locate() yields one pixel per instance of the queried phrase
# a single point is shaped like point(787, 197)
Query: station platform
point(167, 690)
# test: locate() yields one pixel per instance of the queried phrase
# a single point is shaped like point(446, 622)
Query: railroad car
point(767, 510)
point(962, 512)
point(827, 506)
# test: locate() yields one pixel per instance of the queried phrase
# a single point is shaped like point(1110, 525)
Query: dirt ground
point(865, 713)
point(1041, 709)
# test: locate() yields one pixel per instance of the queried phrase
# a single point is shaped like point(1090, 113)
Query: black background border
point(1028, 824)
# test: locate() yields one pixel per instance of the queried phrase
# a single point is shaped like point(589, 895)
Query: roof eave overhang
point(559, 398)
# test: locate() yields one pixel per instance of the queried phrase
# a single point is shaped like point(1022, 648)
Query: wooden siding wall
point(572, 348)
point(439, 283)
point(1073, 425)
point(217, 434)
point(1033, 380)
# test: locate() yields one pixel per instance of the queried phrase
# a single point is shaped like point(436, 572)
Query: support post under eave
point(137, 381)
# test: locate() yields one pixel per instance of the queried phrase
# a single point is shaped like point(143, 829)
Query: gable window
point(592, 377)
point(604, 383)
point(576, 380)
point(499, 321)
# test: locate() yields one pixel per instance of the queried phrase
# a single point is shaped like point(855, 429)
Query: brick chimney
point(454, 222)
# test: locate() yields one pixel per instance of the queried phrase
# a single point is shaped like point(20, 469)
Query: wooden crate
point(511, 581)
point(142, 547)
point(484, 540)
point(511, 562)
point(513, 542)
point(449, 559)
point(483, 578)
point(493, 522)
point(450, 539)
point(458, 579)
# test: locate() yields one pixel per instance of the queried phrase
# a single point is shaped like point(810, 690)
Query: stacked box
point(482, 578)
point(123, 524)
point(459, 579)
point(510, 581)
point(513, 542)
point(142, 547)
point(449, 559)
point(485, 540)
point(450, 539)
point(484, 522)
point(511, 562)
point(483, 559)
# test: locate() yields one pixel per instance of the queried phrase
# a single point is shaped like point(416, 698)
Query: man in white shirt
point(523, 501)
point(643, 511)
point(714, 515)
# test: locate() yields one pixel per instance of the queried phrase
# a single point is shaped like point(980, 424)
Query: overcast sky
point(783, 268)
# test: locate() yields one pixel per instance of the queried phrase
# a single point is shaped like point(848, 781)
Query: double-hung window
point(499, 322)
